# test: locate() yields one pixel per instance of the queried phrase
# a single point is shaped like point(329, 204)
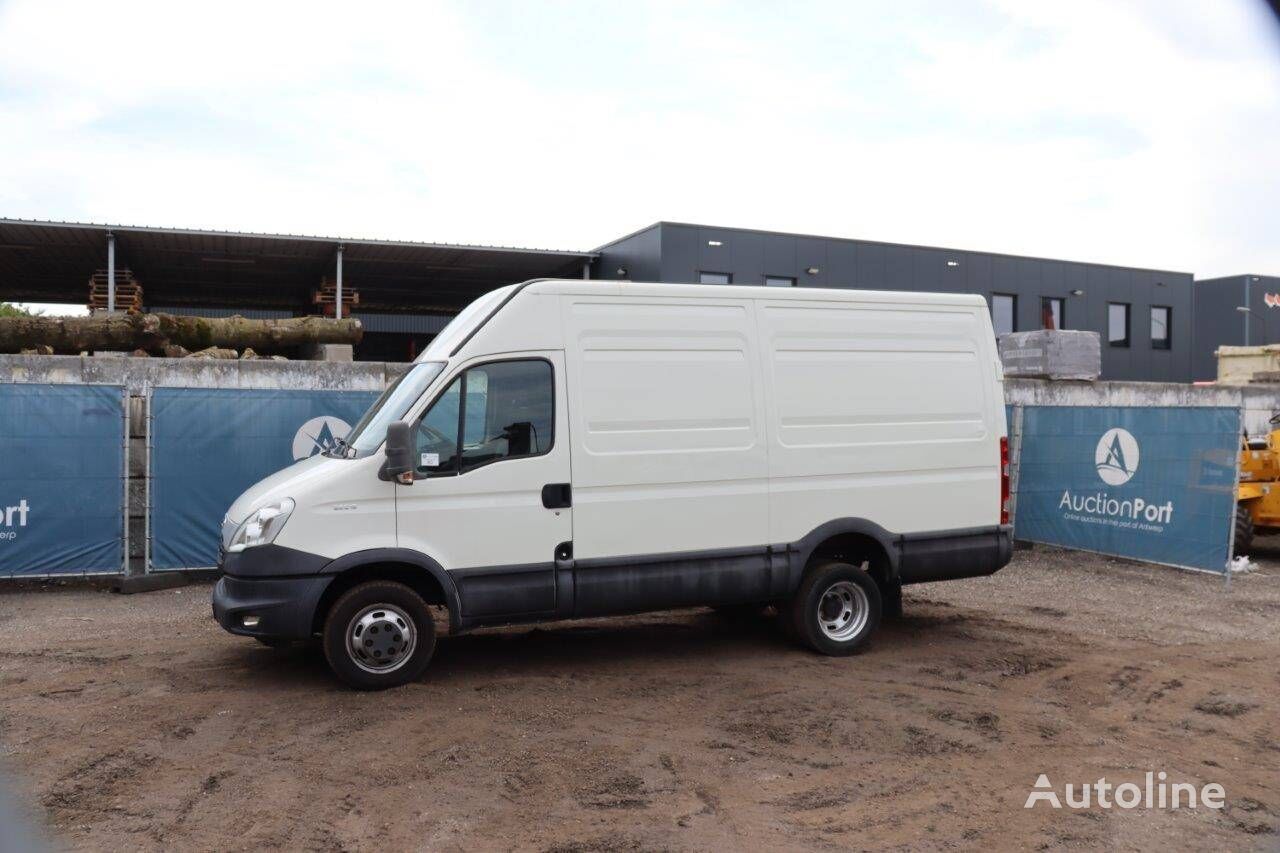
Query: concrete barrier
point(138, 374)
point(1257, 402)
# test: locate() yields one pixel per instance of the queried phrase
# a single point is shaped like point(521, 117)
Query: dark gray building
point(1221, 318)
point(1143, 315)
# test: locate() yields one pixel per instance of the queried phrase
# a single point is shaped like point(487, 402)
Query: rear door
point(491, 499)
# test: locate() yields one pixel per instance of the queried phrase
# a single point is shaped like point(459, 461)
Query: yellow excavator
point(1258, 492)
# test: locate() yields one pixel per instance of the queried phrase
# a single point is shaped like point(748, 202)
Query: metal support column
point(337, 308)
point(586, 269)
point(111, 273)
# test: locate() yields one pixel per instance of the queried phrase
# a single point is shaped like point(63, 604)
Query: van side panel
point(882, 411)
point(667, 417)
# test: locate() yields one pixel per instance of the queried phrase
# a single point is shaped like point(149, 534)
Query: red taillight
point(1004, 481)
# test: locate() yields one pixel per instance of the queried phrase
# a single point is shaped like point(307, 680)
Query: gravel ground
point(134, 722)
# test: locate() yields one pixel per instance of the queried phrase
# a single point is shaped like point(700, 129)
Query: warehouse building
point(404, 292)
point(1237, 310)
point(1143, 315)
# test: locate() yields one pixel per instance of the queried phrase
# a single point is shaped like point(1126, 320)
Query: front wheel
point(836, 609)
point(379, 634)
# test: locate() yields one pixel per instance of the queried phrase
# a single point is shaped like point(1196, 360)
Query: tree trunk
point(153, 332)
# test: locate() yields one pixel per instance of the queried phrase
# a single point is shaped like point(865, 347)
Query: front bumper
point(285, 607)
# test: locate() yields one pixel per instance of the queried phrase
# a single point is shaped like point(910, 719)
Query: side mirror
point(399, 450)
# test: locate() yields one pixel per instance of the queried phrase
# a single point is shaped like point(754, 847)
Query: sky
point(1144, 134)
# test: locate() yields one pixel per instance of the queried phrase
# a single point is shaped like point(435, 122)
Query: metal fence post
point(124, 476)
point(1015, 462)
point(1235, 506)
point(146, 474)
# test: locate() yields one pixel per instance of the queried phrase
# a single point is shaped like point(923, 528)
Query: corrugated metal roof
point(104, 227)
point(241, 271)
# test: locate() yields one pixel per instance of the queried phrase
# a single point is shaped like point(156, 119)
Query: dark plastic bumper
point(285, 607)
point(953, 555)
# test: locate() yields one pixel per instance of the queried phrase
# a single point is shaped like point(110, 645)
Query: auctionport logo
point(1116, 461)
point(12, 518)
point(1156, 792)
point(1116, 457)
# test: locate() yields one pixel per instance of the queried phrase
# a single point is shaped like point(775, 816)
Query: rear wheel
point(1244, 531)
point(379, 634)
point(836, 609)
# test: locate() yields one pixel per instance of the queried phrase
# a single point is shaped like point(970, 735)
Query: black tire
point(389, 609)
point(824, 594)
point(1244, 531)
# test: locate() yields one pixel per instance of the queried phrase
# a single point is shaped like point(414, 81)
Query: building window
point(1051, 312)
point(1004, 308)
point(1118, 324)
point(779, 281)
point(715, 278)
point(1160, 334)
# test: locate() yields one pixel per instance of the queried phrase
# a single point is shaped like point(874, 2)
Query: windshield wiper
point(338, 450)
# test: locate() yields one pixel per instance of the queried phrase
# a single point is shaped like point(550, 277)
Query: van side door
point(669, 453)
point(491, 500)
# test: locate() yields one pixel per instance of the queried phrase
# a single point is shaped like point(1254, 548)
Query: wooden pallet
point(327, 297)
point(128, 291)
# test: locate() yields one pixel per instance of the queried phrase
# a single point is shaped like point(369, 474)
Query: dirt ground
point(134, 722)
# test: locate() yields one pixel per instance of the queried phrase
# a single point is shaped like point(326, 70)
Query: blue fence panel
point(1155, 484)
point(62, 479)
point(210, 444)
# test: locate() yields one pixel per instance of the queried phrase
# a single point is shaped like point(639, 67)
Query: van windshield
point(369, 434)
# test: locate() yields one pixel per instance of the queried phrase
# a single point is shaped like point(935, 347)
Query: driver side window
point(499, 410)
point(437, 434)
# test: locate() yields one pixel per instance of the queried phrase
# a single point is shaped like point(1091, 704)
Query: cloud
point(1138, 134)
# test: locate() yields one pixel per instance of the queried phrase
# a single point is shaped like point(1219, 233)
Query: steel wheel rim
point(843, 610)
point(381, 638)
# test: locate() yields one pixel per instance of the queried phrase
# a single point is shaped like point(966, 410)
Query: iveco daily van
point(580, 448)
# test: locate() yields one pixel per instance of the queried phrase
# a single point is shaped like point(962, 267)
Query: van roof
point(731, 291)
point(474, 316)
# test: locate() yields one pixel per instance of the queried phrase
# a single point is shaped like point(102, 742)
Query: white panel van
point(568, 449)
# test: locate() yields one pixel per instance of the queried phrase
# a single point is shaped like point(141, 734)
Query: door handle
point(557, 496)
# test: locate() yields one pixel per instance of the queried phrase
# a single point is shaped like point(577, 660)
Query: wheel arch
point(843, 537)
point(416, 570)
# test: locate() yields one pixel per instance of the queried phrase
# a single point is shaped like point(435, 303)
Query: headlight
point(262, 526)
